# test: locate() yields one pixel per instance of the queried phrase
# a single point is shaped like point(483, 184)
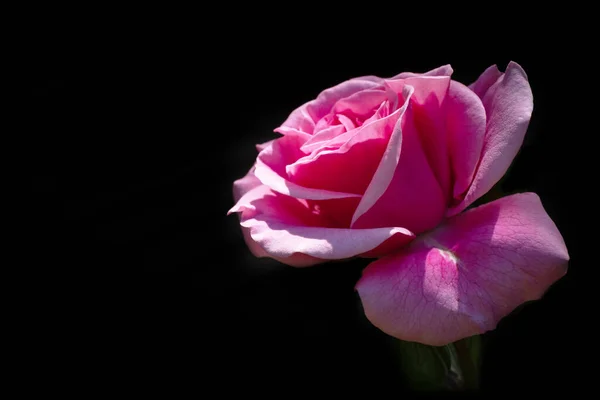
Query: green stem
point(455, 371)
point(454, 366)
point(469, 358)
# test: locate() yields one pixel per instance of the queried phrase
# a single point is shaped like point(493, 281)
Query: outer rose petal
point(261, 146)
point(286, 243)
point(485, 81)
point(462, 278)
point(508, 104)
point(465, 123)
point(240, 188)
point(248, 190)
point(285, 229)
point(245, 184)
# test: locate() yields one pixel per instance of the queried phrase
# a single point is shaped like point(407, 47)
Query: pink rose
point(383, 168)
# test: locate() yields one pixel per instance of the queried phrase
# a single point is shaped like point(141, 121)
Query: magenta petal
point(508, 104)
point(430, 116)
point(404, 190)
point(271, 170)
point(462, 278)
point(389, 161)
point(299, 121)
point(287, 230)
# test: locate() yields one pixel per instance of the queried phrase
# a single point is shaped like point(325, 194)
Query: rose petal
point(245, 184)
point(389, 161)
point(508, 104)
point(335, 137)
point(286, 130)
point(325, 101)
point(465, 124)
point(286, 229)
point(465, 276)
point(245, 205)
point(346, 122)
point(404, 191)
point(485, 81)
point(271, 170)
point(261, 146)
point(337, 168)
point(283, 241)
point(364, 103)
point(429, 110)
point(444, 70)
point(306, 116)
point(322, 138)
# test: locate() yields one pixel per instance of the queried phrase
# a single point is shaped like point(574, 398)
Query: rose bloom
point(384, 168)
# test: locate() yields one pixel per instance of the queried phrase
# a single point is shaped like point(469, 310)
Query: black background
point(133, 145)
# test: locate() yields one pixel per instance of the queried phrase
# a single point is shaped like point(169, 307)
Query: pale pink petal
point(286, 229)
point(465, 122)
point(464, 277)
point(324, 123)
point(322, 138)
point(299, 121)
point(286, 130)
point(404, 190)
point(261, 146)
point(364, 103)
point(245, 184)
point(296, 260)
point(444, 70)
point(306, 116)
point(271, 170)
point(346, 122)
point(254, 248)
point(485, 81)
point(325, 101)
point(256, 195)
point(334, 136)
point(370, 78)
point(508, 104)
point(386, 108)
point(284, 241)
